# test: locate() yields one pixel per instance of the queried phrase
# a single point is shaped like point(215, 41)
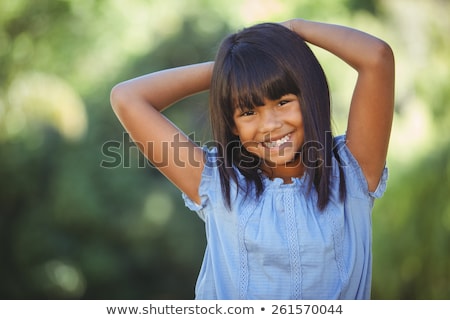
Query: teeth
point(277, 143)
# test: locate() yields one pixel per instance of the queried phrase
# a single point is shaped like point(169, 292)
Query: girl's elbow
point(378, 60)
point(118, 96)
point(383, 56)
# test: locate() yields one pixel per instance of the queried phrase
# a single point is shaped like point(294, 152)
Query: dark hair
point(269, 61)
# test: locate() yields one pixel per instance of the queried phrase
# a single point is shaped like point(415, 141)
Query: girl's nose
point(269, 121)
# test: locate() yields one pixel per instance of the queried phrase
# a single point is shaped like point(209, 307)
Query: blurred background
point(84, 216)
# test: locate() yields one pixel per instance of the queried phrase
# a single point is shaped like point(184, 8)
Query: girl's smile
point(277, 143)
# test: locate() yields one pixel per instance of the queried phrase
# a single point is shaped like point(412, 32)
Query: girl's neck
point(285, 171)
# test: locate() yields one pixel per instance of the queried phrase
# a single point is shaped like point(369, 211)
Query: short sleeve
point(208, 181)
point(354, 177)
point(381, 188)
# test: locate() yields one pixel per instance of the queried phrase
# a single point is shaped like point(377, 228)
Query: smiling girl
point(286, 204)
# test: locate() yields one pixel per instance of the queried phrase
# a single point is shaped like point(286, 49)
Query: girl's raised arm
point(138, 104)
point(371, 109)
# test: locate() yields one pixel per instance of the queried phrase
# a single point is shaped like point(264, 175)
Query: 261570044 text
point(306, 309)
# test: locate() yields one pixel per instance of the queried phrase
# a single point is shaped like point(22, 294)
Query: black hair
point(268, 61)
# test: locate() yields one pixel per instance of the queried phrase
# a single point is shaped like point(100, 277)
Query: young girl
point(287, 206)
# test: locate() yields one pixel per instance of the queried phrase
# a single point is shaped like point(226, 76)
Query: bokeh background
point(84, 216)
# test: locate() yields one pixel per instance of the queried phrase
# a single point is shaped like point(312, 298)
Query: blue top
point(282, 246)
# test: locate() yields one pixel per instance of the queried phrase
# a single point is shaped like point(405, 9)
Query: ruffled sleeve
point(208, 185)
point(355, 180)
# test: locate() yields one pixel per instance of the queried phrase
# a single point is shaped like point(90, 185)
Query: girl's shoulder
point(345, 162)
point(210, 187)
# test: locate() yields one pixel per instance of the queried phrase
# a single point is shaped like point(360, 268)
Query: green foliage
point(412, 232)
point(84, 216)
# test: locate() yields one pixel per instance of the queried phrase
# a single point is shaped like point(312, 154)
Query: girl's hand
point(287, 24)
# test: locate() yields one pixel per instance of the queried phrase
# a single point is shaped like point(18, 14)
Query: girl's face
point(273, 132)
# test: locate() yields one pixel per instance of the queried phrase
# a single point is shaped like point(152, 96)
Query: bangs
point(254, 77)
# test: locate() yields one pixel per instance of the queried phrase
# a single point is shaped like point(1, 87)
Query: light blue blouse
point(281, 246)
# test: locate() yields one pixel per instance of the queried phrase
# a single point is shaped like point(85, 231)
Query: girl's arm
point(138, 102)
point(371, 109)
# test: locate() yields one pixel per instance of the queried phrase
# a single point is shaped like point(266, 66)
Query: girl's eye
point(247, 113)
point(283, 102)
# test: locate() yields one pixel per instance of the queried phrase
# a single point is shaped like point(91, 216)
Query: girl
point(287, 206)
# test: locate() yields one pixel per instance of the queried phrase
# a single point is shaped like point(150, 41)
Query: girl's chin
point(288, 160)
point(283, 155)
